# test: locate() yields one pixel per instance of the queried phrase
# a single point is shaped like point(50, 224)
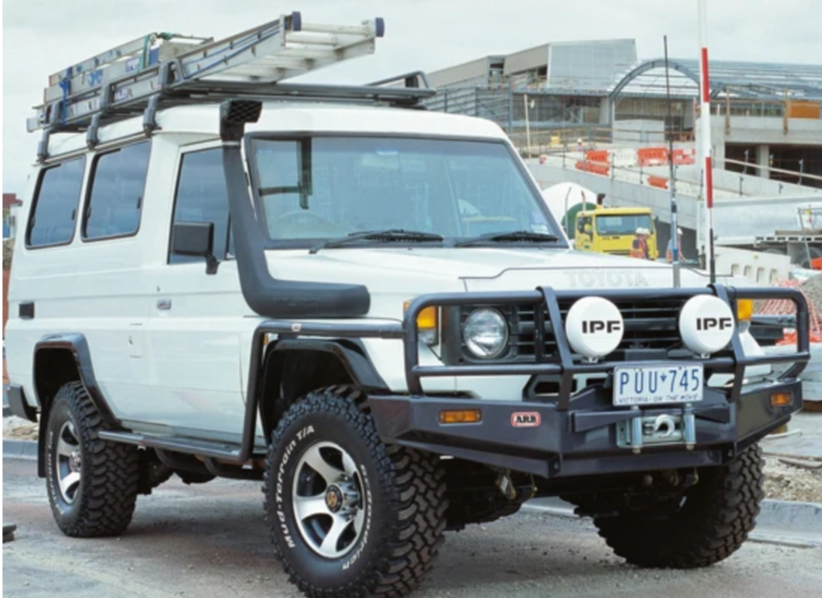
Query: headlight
point(485, 333)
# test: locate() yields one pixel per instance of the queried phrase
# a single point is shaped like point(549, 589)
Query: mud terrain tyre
point(348, 514)
point(711, 524)
point(92, 483)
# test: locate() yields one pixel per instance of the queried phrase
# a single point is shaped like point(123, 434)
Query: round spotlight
point(706, 324)
point(594, 327)
point(485, 333)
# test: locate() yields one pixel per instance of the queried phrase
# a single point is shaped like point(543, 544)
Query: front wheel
point(704, 526)
point(348, 514)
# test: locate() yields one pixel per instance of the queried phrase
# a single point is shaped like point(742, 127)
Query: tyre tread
point(110, 473)
point(699, 539)
point(414, 481)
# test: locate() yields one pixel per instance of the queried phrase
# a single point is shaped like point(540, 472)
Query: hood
point(395, 275)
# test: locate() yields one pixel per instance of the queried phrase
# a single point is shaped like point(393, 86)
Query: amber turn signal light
point(781, 399)
point(461, 416)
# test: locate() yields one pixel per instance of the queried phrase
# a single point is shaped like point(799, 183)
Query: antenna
point(671, 180)
point(705, 132)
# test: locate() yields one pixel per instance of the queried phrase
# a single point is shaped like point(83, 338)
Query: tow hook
point(507, 488)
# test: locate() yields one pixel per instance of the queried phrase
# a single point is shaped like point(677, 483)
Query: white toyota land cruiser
point(368, 307)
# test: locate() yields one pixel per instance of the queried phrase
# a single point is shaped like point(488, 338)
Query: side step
point(216, 450)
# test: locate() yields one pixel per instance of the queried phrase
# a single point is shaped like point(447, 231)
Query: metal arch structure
point(650, 65)
point(746, 79)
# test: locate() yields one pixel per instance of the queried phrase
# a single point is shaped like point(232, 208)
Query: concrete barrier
point(757, 266)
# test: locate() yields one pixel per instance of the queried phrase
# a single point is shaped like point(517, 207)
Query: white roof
point(280, 116)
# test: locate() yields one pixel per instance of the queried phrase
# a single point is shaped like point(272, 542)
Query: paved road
point(210, 540)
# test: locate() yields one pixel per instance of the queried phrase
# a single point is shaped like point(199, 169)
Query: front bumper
point(582, 440)
point(581, 432)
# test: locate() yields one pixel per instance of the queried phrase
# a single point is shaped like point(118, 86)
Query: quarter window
point(115, 196)
point(54, 212)
point(202, 196)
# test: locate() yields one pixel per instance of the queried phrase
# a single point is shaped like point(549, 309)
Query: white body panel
point(171, 346)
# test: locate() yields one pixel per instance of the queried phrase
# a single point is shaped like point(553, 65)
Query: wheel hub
point(327, 496)
point(68, 462)
point(75, 463)
point(334, 499)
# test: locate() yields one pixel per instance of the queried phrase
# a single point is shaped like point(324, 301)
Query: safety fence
point(778, 307)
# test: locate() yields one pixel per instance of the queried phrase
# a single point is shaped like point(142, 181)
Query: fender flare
point(77, 345)
point(350, 352)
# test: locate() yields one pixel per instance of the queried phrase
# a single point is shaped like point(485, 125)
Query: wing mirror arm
point(196, 239)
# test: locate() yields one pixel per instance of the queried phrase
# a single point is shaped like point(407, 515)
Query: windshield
point(323, 188)
point(624, 224)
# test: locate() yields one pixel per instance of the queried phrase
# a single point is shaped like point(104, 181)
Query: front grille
point(649, 325)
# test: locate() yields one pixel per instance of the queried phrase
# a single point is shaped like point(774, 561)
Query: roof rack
point(163, 70)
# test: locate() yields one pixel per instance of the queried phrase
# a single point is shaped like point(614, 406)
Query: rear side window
point(202, 196)
point(115, 196)
point(54, 212)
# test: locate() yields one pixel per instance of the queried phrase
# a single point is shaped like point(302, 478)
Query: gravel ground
point(18, 428)
point(813, 289)
point(789, 482)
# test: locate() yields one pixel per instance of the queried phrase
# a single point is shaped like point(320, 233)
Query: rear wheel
point(348, 514)
point(706, 525)
point(92, 483)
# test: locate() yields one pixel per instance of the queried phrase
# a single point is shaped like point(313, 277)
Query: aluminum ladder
point(135, 77)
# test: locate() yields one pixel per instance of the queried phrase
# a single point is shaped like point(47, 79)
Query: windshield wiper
point(391, 234)
point(517, 235)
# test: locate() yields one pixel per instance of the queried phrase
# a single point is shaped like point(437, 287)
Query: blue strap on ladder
point(65, 85)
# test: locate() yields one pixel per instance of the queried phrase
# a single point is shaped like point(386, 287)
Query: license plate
point(657, 385)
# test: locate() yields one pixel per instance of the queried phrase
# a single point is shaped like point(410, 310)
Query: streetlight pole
point(527, 126)
point(671, 179)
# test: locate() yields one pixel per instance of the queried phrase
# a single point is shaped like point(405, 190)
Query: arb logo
point(714, 323)
point(594, 326)
point(525, 419)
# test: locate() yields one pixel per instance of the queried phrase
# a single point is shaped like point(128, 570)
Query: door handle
point(164, 304)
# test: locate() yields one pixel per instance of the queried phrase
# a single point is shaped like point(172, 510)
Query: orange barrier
point(598, 156)
point(681, 156)
point(658, 181)
point(784, 307)
point(816, 264)
point(593, 167)
point(652, 156)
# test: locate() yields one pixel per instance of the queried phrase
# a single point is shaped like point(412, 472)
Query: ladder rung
point(367, 29)
point(319, 39)
point(309, 53)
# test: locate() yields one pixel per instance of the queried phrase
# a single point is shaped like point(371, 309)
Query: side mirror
point(195, 239)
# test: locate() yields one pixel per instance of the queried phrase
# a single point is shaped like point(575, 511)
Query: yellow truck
point(613, 230)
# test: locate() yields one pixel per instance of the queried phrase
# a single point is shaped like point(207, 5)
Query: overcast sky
point(41, 37)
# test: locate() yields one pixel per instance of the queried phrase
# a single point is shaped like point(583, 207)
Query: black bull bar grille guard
point(546, 303)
